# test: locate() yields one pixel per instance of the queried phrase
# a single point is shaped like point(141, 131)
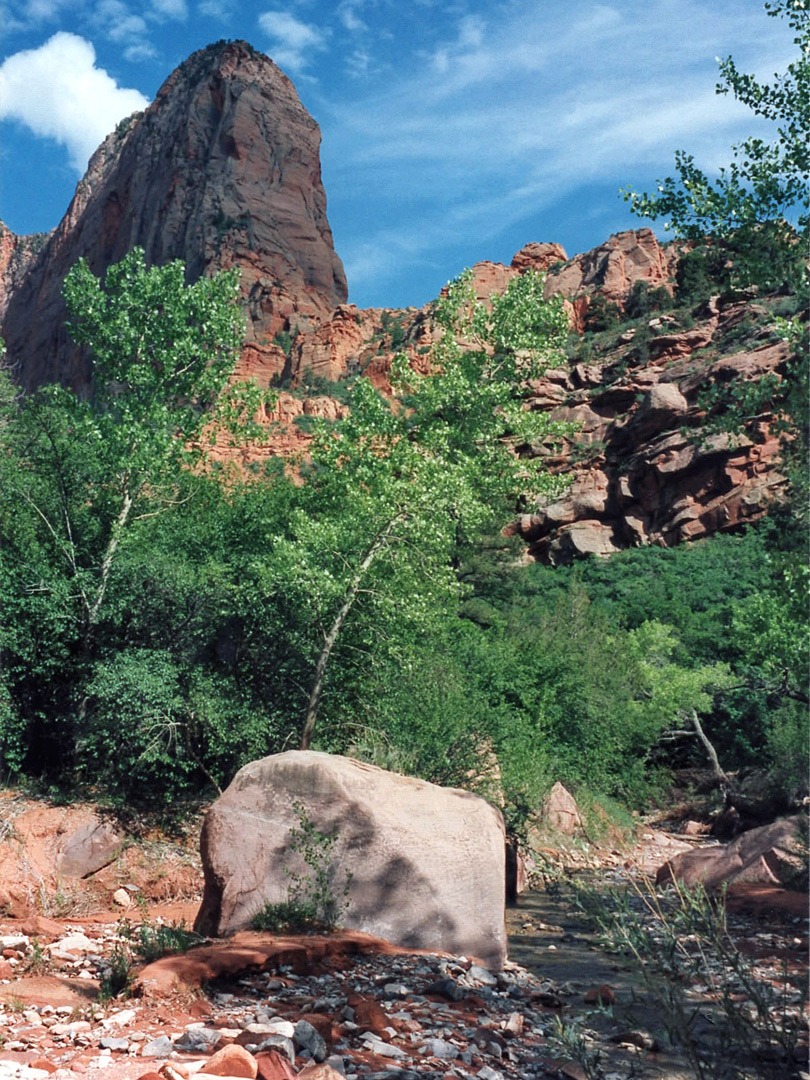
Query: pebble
point(440, 1048)
point(110, 1042)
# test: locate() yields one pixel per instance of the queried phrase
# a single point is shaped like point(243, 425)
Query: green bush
point(644, 300)
point(601, 314)
point(313, 903)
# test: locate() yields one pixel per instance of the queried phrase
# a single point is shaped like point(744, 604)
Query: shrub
point(601, 314)
point(312, 903)
point(644, 300)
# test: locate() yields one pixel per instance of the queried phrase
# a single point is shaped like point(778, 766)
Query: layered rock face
point(644, 469)
point(425, 865)
point(221, 170)
point(612, 268)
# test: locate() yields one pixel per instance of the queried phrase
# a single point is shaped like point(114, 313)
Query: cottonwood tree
point(760, 202)
point(393, 488)
point(80, 475)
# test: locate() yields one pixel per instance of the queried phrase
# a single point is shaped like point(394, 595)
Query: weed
point(569, 1040)
point(36, 961)
point(311, 903)
point(291, 915)
point(743, 1027)
point(151, 941)
point(116, 977)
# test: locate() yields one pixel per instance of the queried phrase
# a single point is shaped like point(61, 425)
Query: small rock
point(323, 1072)
point(600, 995)
point(198, 1040)
point(481, 975)
point(122, 898)
point(231, 1061)
point(440, 1048)
point(641, 1039)
point(160, 1047)
point(15, 941)
point(273, 1027)
point(110, 1042)
point(119, 1019)
point(384, 1049)
point(447, 988)
point(307, 1038)
point(486, 1073)
point(278, 1043)
point(71, 947)
point(514, 1025)
point(274, 1065)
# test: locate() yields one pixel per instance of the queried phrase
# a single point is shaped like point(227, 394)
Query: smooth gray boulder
point(425, 863)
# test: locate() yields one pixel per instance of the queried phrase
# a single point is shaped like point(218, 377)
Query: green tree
point(83, 477)
point(391, 489)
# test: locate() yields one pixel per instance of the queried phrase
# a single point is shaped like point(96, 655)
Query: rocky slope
point(221, 170)
point(644, 467)
point(646, 470)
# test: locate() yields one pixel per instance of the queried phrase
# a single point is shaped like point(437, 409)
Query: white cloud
point(358, 63)
point(114, 19)
point(347, 13)
point(170, 9)
point(292, 42)
point(58, 92)
point(26, 14)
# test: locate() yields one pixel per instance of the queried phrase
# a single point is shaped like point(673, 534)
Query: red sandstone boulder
point(771, 855)
point(231, 1061)
point(560, 811)
point(88, 849)
point(426, 863)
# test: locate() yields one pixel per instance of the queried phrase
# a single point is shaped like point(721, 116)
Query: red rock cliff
point(221, 170)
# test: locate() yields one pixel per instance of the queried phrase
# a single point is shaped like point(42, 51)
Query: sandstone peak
point(221, 170)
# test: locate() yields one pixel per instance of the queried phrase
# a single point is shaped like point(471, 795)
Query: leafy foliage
point(312, 903)
point(85, 479)
point(766, 184)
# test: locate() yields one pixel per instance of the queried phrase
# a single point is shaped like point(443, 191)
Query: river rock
point(769, 855)
point(424, 864)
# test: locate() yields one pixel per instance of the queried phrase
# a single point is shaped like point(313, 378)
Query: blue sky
point(452, 132)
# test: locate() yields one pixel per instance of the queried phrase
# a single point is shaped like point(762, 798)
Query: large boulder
point(771, 855)
point(560, 811)
point(425, 864)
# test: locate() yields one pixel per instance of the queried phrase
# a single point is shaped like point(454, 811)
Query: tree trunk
point(106, 566)
point(349, 598)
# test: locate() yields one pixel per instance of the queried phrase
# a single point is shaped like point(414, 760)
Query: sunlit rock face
point(221, 170)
